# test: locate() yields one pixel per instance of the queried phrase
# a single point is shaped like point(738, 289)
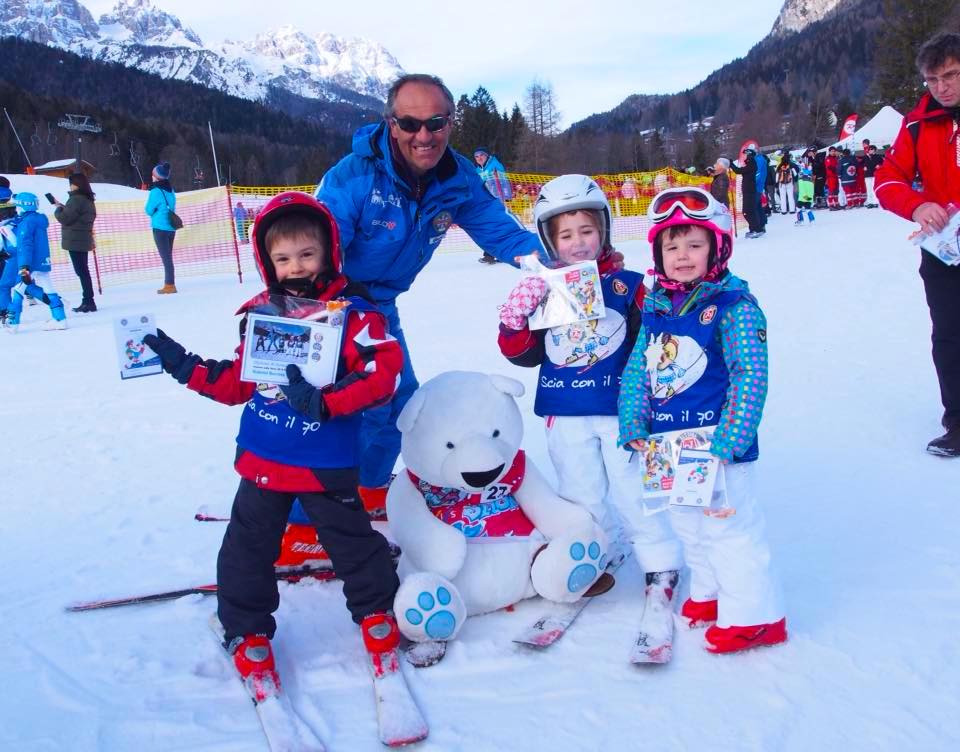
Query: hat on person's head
point(5, 194)
point(4, 181)
point(750, 150)
point(481, 150)
point(162, 171)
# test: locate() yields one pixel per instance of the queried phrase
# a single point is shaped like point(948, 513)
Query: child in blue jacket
point(33, 265)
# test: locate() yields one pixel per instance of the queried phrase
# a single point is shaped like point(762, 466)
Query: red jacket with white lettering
point(927, 145)
point(370, 363)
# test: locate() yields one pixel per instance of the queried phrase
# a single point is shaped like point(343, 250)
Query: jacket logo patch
point(762, 335)
point(707, 314)
point(388, 223)
point(442, 222)
point(619, 287)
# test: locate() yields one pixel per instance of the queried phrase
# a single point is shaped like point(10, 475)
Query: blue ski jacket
point(33, 247)
point(388, 235)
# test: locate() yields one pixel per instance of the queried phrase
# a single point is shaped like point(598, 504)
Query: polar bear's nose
point(483, 479)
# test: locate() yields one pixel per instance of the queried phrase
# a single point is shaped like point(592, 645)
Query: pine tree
point(909, 24)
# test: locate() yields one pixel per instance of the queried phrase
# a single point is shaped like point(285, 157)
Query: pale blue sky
point(595, 54)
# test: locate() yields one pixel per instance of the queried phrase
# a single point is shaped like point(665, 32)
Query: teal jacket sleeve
point(633, 404)
point(743, 338)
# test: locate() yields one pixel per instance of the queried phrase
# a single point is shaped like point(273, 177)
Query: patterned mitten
point(522, 301)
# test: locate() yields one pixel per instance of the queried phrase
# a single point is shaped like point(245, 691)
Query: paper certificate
point(134, 357)
point(274, 342)
point(945, 245)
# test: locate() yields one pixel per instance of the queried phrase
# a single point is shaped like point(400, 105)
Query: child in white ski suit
point(580, 367)
point(717, 340)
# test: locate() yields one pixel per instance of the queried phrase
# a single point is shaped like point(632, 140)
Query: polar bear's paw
point(428, 607)
point(440, 623)
point(569, 565)
point(592, 562)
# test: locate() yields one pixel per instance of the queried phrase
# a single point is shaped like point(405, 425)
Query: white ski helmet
point(570, 193)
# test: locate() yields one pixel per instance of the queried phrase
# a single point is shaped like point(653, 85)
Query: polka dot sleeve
point(743, 338)
point(633, 404)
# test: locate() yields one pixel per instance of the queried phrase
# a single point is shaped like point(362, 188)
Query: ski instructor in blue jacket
point(394, 198)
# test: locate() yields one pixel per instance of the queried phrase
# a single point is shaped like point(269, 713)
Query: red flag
point(849, 127)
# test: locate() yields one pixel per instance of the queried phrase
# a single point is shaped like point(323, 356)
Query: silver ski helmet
point(565, 194)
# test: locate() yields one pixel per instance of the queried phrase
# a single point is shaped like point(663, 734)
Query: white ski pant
point(591, 468)
point(871, 196)
point(729, 559)
point(787, 203)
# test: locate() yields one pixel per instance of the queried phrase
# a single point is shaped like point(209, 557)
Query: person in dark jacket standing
point(720, 186)
point(77, 217)
point(871, 161)
point(927, 145)
point(748, 188)
point(160, 202)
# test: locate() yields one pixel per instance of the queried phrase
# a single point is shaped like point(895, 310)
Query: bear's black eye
point(496, 432)
point(449, 445)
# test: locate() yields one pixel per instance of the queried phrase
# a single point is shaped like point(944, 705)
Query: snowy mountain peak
point(58, 24)
point(138, 33)
point(796, 15)
point(140, 22)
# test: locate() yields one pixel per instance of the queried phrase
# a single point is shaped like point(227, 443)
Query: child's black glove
point(303, 396)
point(175, 360)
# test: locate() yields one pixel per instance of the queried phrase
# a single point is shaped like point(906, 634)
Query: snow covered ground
point(103, 478)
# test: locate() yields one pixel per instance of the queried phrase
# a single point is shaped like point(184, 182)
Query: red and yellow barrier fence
point(214, 238)
point(126, 251)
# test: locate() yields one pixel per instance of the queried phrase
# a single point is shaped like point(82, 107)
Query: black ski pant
point(81, 266)
point(247, 592)
point(751, 210)
point(941, 283)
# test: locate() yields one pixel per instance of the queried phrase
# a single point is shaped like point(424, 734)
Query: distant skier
point(295, 245)
point(805, 195)
point(716, 321)
point(33, 265)
point(8, 249)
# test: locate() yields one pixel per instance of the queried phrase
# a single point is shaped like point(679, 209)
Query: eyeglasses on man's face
point(944, 79)
point(410, 124)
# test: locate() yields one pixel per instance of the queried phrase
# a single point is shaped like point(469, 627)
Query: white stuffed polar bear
point(479, 526)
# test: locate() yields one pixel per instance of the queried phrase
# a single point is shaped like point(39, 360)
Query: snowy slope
point(103, 478)
point(138, 34)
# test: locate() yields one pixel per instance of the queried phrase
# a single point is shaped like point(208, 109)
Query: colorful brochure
point(134, 357)
point(573, 294)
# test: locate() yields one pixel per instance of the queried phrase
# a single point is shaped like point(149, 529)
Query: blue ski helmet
point(26, 201)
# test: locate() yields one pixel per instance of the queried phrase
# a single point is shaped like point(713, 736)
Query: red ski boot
point(699, 613)
point(735, 639)
point(381, 638)
point(253, 657)
point(300, 548)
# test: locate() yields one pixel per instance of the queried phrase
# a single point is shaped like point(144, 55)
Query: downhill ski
point(294, 575)
point(552, 625)
point(284, 728)
point(398, 718)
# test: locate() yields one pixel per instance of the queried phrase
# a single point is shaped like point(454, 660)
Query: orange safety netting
point(126, 251)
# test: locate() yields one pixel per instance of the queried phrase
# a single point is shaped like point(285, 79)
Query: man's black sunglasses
point(411, 125)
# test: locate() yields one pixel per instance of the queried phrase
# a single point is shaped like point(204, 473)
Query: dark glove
point(25, 275)
point(4, 255)
point(175, 360)
point(303, 397)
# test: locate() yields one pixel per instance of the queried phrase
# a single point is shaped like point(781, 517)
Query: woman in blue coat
point(160, 202)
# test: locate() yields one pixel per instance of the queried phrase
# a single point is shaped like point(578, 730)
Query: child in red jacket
point(298, 441)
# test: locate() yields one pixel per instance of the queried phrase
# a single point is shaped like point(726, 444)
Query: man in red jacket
point(927, 146)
